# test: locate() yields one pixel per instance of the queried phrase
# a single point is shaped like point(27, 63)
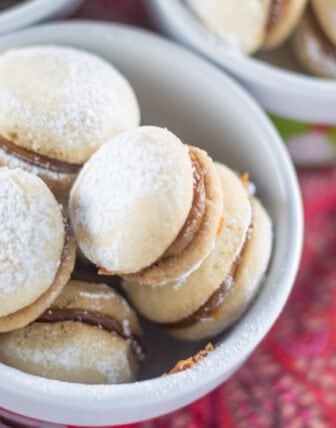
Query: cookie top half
point(62, 103)
point(132, 198)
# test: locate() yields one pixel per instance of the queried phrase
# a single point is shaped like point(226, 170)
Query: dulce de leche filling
point(36, 159)
point(195, 216)
point(91, 318)
point(206, 311)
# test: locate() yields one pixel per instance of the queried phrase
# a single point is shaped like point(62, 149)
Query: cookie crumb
point(191, 361)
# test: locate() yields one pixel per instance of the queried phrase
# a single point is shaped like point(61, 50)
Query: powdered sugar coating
point(31, 239)
point(131, 199)
point(62, 102)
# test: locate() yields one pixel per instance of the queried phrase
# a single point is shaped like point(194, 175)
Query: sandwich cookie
point(249, 25)
point(57, 106)
point(314, 42)
point(147, 206)
point(37, 250)
point(171, 303)
point(89, 335)
point(238, 289)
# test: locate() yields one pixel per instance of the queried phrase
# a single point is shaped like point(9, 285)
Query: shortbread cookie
point(148, 205)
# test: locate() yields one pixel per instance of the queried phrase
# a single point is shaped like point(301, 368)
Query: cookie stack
point(187, 237)
point(58, 106)
point(210, 298)
point(182, 232)
point(79, 332)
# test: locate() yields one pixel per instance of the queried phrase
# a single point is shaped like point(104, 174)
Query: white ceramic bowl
point(32, 11)
point(179, 90)
point(281, 89)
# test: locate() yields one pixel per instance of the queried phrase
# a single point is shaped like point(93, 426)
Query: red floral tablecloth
point(290, 380)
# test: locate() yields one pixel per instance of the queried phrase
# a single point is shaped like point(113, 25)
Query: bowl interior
point(180, 91)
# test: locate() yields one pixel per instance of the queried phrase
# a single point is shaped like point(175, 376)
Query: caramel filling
point(54, 315)
point(325, 43)
point(38, 160)
point(207, 310)
point(277, 11)
point(196, 213)
point(210, 307)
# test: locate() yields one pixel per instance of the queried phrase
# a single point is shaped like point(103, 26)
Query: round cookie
point(131, 199)
point(245, 283)
point(239, 23)
point(37, 252)
point(175, 301)
point(283, 17)
point(325, 12)
point(89, 335)
point(313, 49)
point(57, 106)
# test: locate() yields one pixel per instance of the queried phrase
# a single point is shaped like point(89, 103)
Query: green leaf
point(289, 128)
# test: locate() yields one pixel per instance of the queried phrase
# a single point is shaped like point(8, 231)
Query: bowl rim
point(31, 11)
point(86, 402)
